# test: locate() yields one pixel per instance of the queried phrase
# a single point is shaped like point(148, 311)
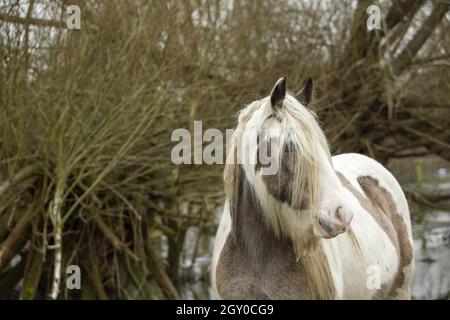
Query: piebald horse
point(321, 227)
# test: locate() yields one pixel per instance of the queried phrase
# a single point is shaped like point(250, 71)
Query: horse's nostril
point(339, 214)
point(327, 227)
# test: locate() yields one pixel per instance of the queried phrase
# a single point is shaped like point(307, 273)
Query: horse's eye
point(289, 147)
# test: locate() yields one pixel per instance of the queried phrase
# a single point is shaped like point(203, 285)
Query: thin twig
point(116, 242)
point(19, 176)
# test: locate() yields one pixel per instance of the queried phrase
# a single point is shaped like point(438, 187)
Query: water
point(432, 255)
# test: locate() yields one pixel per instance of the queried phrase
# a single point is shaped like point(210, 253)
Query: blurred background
point(86, 118)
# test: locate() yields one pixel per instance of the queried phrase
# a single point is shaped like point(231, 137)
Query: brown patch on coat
point(380, 204)
point(279, 185)
point(383, 200)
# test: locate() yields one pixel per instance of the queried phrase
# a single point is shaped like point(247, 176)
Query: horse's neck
point(264, 254)
point(254, 242)
point(250, 232)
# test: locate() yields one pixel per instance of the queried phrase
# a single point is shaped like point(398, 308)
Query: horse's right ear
point(278, 93)
point(305, 94)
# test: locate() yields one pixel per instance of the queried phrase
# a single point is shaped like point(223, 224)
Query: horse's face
point(335, 213)
point(299, 177)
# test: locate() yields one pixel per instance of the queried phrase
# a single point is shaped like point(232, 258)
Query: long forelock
point(302, 130)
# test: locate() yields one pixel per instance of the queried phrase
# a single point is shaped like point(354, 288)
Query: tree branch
point(116, 242)
point(33, 21)
point(9, 247)
point(19, 176)
point(408, 54)
point(401, 10)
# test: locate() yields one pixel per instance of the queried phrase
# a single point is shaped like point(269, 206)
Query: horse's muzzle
point(337, 222)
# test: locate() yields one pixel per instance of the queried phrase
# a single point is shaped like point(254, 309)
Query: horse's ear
point(305, 94)
point(278, 92)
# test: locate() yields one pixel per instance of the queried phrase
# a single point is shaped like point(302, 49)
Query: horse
point(320, 227)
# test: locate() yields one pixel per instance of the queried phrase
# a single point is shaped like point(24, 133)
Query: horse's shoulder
point(373, 179)
point(380, 194)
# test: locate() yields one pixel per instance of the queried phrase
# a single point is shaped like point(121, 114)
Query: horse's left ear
point(305, 94)
point(278, 92)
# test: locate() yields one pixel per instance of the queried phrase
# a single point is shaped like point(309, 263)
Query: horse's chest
point(240, 275)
